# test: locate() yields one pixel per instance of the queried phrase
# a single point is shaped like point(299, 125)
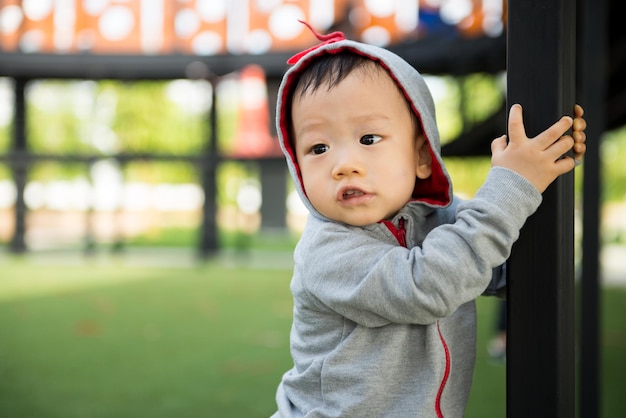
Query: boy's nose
point(348, 164)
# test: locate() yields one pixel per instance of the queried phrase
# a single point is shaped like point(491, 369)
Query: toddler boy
point(389, 263)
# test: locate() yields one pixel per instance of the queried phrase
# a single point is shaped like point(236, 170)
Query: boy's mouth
point(352, 195)
point(347, 194)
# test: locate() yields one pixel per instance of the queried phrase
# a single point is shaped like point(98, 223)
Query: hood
point(435, 191)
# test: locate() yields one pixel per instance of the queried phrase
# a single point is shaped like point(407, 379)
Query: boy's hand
point(539, 159)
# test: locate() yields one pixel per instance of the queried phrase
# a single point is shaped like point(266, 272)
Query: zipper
point(399, 232)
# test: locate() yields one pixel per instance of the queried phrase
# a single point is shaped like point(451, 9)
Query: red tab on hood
point(326, 39)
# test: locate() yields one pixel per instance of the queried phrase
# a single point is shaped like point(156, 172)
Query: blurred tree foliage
point(5, 173)
point(613, 155)
point(110, 116)
point(474, 97)
point(462, 103)
point(467, 174)
point(6, 114)
point(230, 177)
point(146, 120)
point(5, 138)
point(155, 172)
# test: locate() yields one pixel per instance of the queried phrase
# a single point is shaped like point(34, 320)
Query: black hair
point(331, 69)
point(328, 70)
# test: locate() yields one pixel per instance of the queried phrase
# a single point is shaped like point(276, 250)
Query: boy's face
point(358, 149)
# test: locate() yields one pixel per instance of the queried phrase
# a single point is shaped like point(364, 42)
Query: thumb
point(498, 144)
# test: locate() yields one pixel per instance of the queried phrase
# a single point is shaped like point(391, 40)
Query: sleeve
point(497, 285)
point(374, 283)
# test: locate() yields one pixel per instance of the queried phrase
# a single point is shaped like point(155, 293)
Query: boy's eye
point(370, 139)
point(319, 149)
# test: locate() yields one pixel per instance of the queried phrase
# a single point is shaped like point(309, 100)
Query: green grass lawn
point(105, 340)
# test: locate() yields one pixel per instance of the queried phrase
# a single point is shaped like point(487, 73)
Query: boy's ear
point(423, 158)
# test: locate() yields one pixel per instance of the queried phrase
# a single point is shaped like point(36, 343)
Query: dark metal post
point(273, 175)
point(208, 239)
point(540, 330)
point(594, 41)
point(19, 165)
point(274, 194)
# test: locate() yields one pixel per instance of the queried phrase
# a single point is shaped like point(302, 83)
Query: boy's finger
point(516, 123)
point(580, 124)
point(498, 144)
point(579, 150)
point(578, 111)
point(579, 147)
point(563, 145)
point(565, 165)
point(579, 136)
point(555, 131)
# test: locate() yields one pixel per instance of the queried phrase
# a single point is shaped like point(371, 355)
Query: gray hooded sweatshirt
point(384, 321)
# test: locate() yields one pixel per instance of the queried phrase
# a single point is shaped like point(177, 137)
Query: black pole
point(540, 329)
point(274, 195)
point(274, 176)
point(594, 41)
point(208, 232)
point(19, 165)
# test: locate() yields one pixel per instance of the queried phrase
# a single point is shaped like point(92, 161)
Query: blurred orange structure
point(253, 138)
point(212, 27)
